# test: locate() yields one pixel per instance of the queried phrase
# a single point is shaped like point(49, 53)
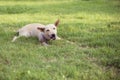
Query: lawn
point(93, 26)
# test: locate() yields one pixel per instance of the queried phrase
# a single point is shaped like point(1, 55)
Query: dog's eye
point(54, 28)
point(48, 30)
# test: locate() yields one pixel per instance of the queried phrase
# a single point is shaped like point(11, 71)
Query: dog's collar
point(44, 38)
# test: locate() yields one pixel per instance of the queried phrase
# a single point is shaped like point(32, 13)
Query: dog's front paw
point(58, 38)
point(45, 44)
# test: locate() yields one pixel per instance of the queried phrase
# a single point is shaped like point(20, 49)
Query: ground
point(91, 26)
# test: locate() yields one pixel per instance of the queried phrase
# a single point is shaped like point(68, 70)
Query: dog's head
point(50, 30)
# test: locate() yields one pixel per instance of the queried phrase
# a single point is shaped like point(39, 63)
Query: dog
point(44, 33)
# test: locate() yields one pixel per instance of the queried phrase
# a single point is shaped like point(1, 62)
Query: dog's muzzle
point(53, 36)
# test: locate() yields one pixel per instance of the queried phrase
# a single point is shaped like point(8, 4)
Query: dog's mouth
point(53, 38)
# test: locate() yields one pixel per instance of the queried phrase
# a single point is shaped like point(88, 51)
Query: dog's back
point(30, 30)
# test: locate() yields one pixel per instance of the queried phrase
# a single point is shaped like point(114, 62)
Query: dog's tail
point(16, 34)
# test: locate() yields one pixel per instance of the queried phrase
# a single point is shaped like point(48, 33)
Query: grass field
point(93, 26)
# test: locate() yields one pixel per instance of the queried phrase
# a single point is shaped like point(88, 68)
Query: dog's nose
point(53, 35)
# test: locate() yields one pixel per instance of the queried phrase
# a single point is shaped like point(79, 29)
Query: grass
point(93, 26)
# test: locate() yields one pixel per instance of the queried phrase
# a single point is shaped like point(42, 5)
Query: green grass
point(93, 26)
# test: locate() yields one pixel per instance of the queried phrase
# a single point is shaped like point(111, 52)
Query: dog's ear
point(41, 29)
point(57, 22)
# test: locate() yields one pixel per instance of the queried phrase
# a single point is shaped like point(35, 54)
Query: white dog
point(42, 32)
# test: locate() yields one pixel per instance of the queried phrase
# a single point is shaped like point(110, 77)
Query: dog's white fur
point(42, 32)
